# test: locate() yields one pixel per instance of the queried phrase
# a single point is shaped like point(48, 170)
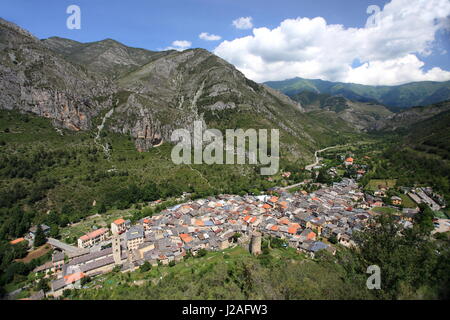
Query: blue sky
point(154, 25)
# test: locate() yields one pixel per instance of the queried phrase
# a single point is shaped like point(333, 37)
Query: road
point(312, 165)
point(63, 246)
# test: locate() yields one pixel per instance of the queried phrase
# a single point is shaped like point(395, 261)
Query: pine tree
point(39, 238)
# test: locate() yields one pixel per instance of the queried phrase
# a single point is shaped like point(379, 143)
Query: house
point(67, 282)
point(32, 230)
point(92, 238)
point(396, 201)
point(409, 214)
point(286, 174)
point(381, 192)
point(348, 161)
point(118, 226)
point(58, 260)
point(134, 237)
point(315, 247)
point(307, 234)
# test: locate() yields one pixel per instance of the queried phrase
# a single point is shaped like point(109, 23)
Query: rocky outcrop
point(34, 79)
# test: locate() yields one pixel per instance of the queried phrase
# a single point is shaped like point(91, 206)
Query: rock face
point(151, 93)
point(409, 117)
point(34, 79)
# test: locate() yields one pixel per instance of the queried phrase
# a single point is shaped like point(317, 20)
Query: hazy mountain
point(406, 95)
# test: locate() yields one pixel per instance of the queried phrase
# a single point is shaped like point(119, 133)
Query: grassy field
point(36, 253)
point(407, 201)
point(386, 183)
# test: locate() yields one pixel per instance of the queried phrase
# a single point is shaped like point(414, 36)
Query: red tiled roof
point(185, 237)
point(119, 221)
point(273, 199)
point(93, 234)
point(16, 241)
point(71, 278)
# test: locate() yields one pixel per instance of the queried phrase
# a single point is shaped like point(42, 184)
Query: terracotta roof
point(16, 241)
point(185, 237)
point(349, 159)
point(70, 278)
point(292, 230)
point(267, 206)
point(273, 199)
point(93, 234)
point(274, 228)
point(119, 221)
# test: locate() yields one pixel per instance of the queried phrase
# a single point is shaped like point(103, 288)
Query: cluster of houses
point(305, 221)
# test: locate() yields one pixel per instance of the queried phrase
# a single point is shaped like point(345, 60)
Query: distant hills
point(401, 96)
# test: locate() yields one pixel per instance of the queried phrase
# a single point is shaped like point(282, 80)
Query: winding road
point(312, 165)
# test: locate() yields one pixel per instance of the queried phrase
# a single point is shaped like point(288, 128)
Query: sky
point(395, 42)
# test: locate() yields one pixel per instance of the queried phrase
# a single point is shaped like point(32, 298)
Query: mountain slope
point(34, 79)
point(145, 94)
point(360, 116)
point(107, 57)
point(406, 95)
point(407, 119)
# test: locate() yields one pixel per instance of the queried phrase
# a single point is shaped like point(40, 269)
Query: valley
point(85, 141)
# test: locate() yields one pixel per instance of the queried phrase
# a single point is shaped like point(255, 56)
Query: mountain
point(107, 57)
point(361, 116)
point(400, 96)
point(35, 79)
point(409, 119)
point(145, 94)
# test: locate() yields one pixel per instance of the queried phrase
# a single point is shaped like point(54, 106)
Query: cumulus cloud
point(209, 37)
point(179, 45)
point(243, 23)
point(388, 48)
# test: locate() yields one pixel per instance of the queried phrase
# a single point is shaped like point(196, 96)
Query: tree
point(54, 231)
point(102, 208)
point(145, 267)
point(43, 285)
point(424, 219)
point(39, 238)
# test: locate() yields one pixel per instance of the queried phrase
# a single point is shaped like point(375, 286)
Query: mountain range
point(143, 94)
point(400, 96)
point(148, 94)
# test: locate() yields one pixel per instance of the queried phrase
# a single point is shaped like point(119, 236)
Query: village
point(309, 222)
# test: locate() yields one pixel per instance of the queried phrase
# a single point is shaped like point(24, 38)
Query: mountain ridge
point(403, 96)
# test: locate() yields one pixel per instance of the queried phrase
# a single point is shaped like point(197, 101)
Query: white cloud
point(209, 37)
point(311, 48)
point(179, 45)
point(243, 23)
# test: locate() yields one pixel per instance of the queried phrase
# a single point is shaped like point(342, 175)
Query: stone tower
point(117, 250)
point(255, 243)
